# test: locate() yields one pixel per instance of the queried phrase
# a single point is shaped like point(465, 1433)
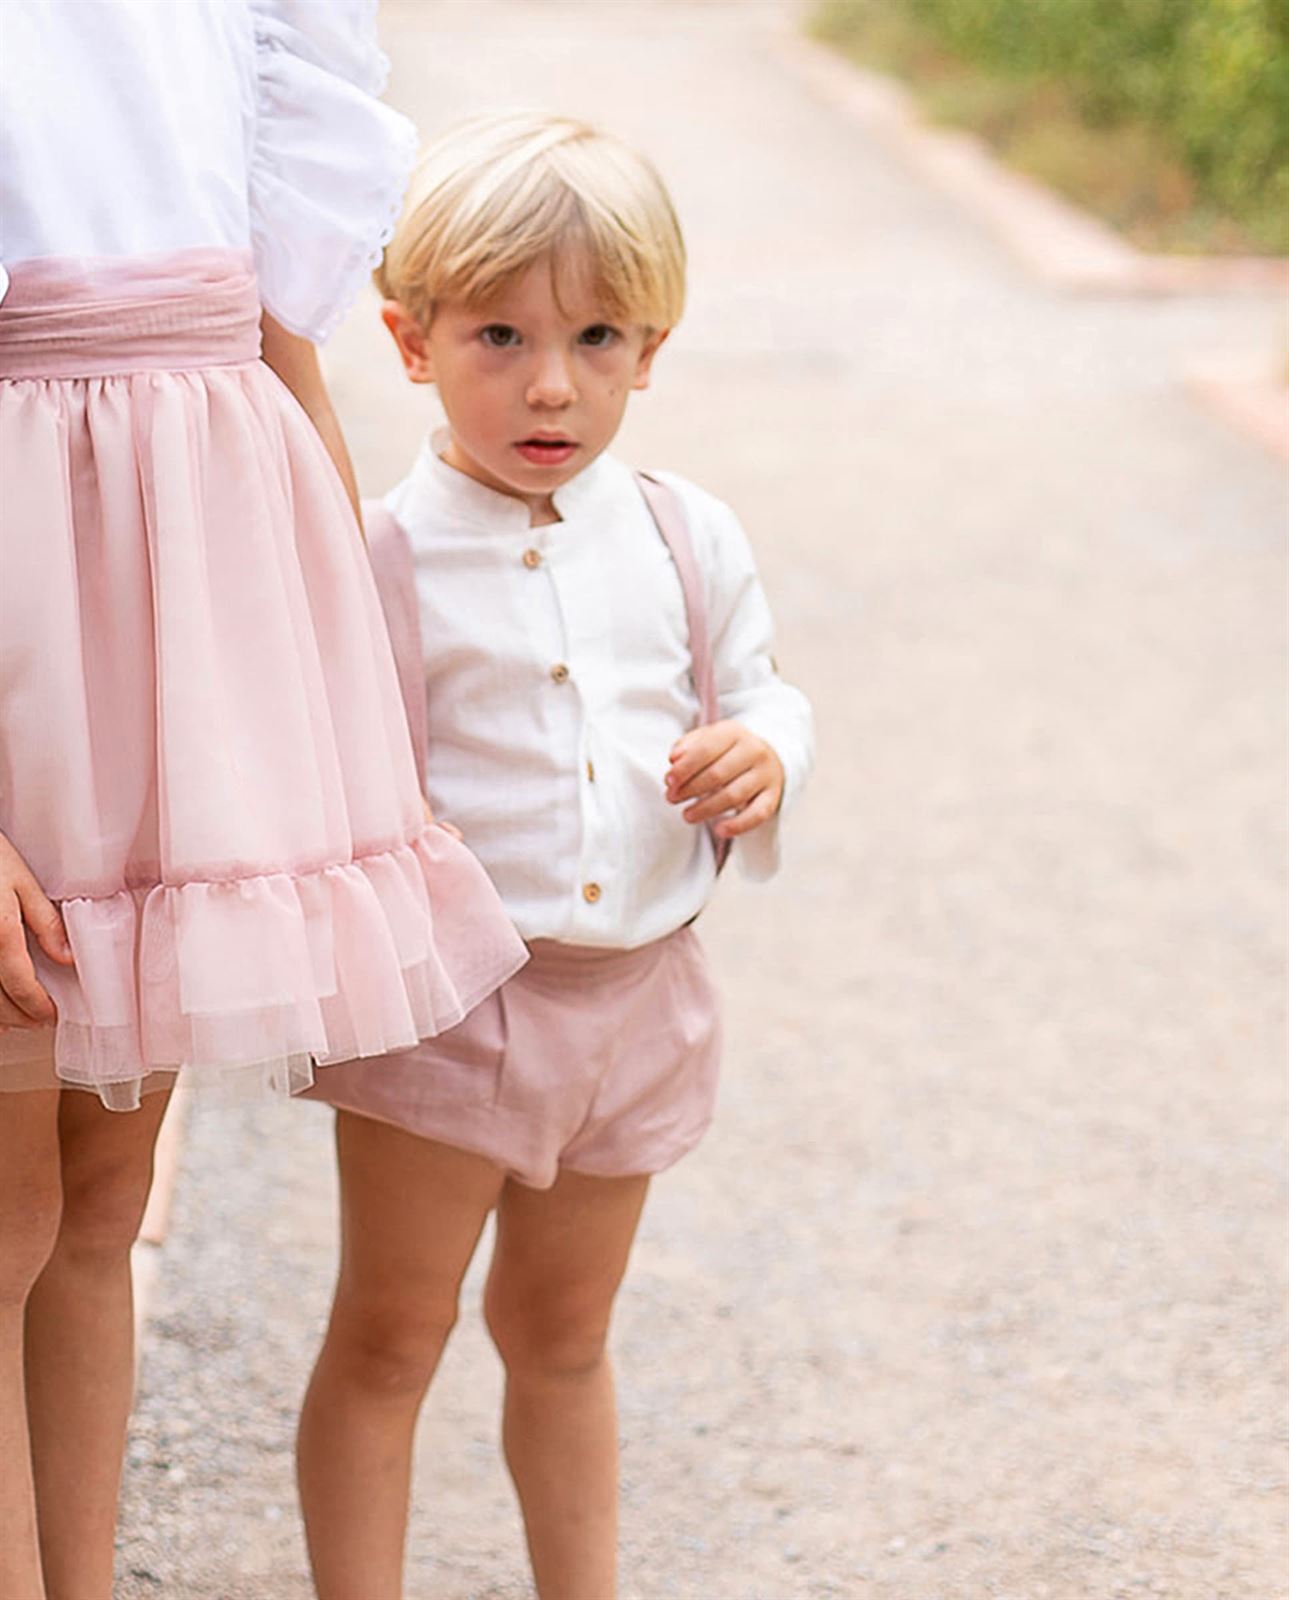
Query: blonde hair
point(496, 194)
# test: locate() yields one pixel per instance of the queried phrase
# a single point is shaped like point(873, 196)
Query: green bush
point(1210, 77)
point(1230, 106)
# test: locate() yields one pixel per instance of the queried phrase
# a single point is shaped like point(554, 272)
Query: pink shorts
point(598, 1061)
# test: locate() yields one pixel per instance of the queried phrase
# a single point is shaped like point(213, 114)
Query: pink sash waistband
point(76, 318)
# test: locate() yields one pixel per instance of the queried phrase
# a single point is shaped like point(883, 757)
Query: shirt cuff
point(760, 852)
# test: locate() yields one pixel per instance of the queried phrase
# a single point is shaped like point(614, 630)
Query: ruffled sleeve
point(329, 162)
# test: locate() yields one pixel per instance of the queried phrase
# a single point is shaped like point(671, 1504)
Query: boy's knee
point(553, 1336)
point(390, 1350)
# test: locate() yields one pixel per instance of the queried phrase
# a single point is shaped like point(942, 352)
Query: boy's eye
point(500, 336)
point(598, 335)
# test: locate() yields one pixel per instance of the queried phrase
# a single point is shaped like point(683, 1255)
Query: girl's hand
point(24, 1002)
point(295, 361)
point(448, 827)
point(722, 767)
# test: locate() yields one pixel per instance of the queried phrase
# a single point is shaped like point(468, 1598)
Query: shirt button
point(590, 771)
point(559, 672)
point(532, 558)
point(591, 893)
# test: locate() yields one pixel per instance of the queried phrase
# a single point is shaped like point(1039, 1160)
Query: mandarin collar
point(465, 499)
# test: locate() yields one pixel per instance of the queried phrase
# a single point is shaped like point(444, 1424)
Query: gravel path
point(977, 1288)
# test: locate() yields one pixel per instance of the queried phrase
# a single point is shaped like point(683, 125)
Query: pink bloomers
point(203, 753)
point(602, 1062)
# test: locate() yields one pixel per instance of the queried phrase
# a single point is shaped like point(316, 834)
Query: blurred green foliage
point(1205, 81)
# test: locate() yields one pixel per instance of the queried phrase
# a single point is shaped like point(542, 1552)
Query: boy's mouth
point(546, 450)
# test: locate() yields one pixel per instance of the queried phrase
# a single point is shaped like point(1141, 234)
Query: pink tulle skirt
point(203, 754)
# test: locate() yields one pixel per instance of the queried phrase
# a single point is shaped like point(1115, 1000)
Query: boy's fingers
point(752, 816)
point(698, 750)
point(723, 769)
point(740, 791)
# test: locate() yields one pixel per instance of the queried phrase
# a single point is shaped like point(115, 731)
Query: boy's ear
point(409, 336)
point(644, 362)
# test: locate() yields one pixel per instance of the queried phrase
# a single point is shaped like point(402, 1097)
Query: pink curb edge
point(1053, 238)
point(1250, 394)
point(1056, 241)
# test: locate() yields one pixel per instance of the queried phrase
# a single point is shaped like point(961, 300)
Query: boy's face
point(534, 385)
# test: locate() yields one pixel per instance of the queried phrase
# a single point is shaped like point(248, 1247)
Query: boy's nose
point(551, 384)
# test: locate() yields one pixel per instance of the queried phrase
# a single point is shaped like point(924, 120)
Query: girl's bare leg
point(560, 1257)
point(29, 1201)
point(80, 1339)
point(411, 1213)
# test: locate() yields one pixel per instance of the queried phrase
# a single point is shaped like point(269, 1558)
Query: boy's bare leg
point(29, 1202)
point(80, 1339)
point(411, 1214)
point(559, 1260)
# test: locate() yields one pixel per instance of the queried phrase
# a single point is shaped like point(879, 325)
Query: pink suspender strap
point(665, 507)
point(390, 553)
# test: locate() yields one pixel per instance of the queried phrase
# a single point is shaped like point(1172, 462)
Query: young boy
point(604, 717)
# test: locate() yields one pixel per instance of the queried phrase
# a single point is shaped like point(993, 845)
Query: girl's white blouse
point(135, 127)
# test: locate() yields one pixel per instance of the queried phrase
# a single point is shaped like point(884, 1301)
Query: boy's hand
point(723, 767)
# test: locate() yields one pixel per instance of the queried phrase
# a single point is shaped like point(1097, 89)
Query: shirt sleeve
point(329, 163)
point(748, 684)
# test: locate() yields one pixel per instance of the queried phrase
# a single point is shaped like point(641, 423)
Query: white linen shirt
point(557, 681)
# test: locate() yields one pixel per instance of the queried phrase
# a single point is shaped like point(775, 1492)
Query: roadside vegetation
point(1169, 118)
